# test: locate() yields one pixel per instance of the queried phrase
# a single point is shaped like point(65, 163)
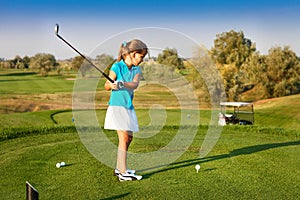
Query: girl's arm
point(108, 85)
point(134, 84)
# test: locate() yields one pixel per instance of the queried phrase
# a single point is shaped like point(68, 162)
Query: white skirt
point(120, 118)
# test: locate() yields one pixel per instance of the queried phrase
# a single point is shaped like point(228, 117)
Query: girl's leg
point(125, 138)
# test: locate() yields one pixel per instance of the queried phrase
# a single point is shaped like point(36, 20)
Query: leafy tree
point(26, 62)
point(18, 62)
point(170, 57)
point(79, 63)
point(253, 76)
point(282, 71)
point(104, 62)
point(43, 62)
point(231, 49)
point(273, 75)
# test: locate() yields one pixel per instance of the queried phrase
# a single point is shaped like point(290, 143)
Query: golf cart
point(236, 113)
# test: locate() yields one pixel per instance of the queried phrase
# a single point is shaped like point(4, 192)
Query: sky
point(27, 26)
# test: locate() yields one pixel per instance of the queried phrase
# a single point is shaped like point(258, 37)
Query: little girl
point(120, 115)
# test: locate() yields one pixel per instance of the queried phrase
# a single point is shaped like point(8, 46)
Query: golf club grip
point(105, 75)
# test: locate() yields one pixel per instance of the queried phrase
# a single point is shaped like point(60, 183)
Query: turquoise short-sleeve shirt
point(124, 96)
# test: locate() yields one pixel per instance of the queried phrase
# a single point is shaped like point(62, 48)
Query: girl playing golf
point(120, 115)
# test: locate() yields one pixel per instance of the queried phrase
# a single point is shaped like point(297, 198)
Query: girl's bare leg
point(125, 138)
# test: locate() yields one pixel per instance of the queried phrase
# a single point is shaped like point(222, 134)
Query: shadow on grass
point(68, 165)
point(15, 80)
point(120, 196)
point(19, 74)
point(236, 152)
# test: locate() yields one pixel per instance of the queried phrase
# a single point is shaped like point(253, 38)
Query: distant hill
point(281, 112)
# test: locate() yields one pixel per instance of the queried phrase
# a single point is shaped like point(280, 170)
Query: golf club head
point(56, 29)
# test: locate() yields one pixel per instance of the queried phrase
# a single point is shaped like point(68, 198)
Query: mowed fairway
point(247, 162)
point(243, 165)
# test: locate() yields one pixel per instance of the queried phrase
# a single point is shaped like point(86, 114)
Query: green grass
point(243, 165)
point(32, 83)
point(248, 162)
point(64, 117)
point(282, 112)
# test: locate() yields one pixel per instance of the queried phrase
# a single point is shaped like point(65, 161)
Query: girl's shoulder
point(117, 66)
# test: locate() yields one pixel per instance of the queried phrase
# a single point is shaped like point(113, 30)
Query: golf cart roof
point(235, 104)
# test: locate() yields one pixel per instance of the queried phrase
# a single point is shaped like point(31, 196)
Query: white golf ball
point(62, 164)
point(197, 167)
point(58, 165)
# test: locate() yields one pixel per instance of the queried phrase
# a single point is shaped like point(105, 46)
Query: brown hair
point(134, 45)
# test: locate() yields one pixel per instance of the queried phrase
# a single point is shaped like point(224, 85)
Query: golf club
point(56, 29)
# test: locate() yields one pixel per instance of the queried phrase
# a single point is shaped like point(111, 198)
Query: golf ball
point(62, 164)
point(57, 165)
point(197, 167)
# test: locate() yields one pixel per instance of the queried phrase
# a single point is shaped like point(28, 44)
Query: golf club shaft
point(105, 75)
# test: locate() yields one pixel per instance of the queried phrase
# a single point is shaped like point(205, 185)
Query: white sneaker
point(129, 177)
point(129, 171)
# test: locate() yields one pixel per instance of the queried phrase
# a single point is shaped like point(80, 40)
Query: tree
point(79, 63)
point(231, 49)
point(274, 75)
point(18, 62)
point(43, 62)
point(26, 62)
point(254, 77)
point(104, 62)
point(170, 57)
point(282, 72)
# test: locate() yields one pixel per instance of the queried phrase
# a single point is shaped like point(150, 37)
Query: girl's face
point(137, 58)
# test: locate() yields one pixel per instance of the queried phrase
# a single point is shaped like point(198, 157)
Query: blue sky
point(27, 26)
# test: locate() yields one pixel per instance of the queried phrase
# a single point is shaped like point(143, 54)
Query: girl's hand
point(114, 85)
point(117, 85)
point(120, 84)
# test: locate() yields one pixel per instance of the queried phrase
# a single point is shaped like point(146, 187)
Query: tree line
point(44, 63)
point(246, 74)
